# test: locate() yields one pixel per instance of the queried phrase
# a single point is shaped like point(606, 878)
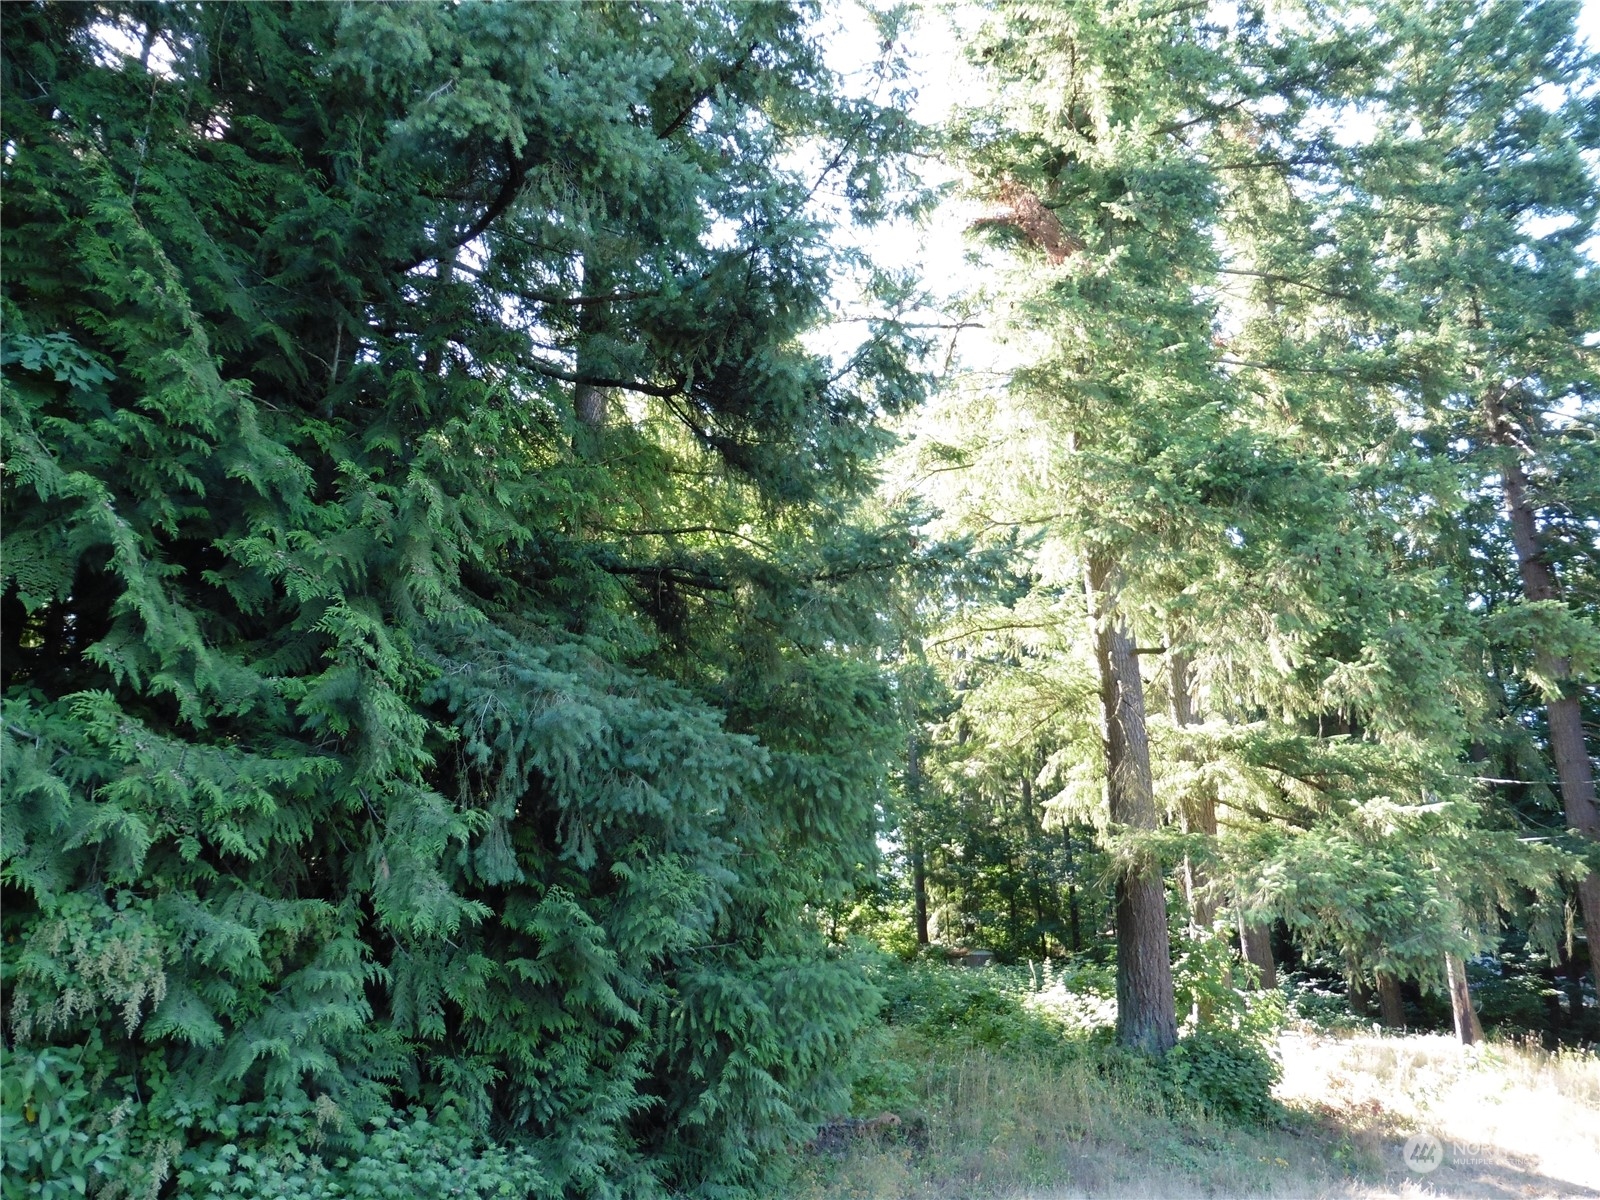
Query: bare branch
point(1274, 278)
point(627, 385)
point(706, 93)
point(685, 529)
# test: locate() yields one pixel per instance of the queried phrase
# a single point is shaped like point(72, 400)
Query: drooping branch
point(707, 92)
point(516, 173)
point(680, 530)
point(589, 301)
point(1271, 277)
point(667, 574)
point(627, 385)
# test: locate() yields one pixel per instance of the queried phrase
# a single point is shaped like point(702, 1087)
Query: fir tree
point(434, 578)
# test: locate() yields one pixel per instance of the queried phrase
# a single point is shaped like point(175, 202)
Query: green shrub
point(1227, 1067)
point(407, 1157)
point(884, 1080)
point(992, 1007)
point(1325, 1005)
point(53, 1144)
point(1230, 1072)
point(66, 1131)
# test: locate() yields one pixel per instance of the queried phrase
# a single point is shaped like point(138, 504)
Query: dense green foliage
point(460, 666)
point(1061, 1015)
point(1248, 276)
point(435, 664)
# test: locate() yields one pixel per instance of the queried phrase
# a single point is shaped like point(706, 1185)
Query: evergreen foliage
point(458, 665)
point(433, 595)
point(1237, 346)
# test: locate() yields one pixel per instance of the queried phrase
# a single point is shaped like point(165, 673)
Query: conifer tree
point(1198, 391)
point(1437, 273)
point(1492, 117)
point(435, 596)
point(1087, 167)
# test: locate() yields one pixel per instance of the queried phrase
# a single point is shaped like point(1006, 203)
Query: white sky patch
point(934, 249)
point(1348, 126)
point(1589, 24)
point(117, 41)
point(1536, 226)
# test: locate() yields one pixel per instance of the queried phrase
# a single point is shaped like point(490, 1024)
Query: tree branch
point(583, 301)
point(687, 578)
point(706, 92)
point(1229, 361)
point(1290, 280)
point(627, 385)
point(683, 529)
point(977, 629)
point(516, 172)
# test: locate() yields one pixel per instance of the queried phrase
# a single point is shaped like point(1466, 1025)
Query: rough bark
point(919, 866)
point(919, 888)
point(1391, 1009)
point(1468, 1028)
point(1574, 769)
point(1146, 1007)
point(1255, 945)
point(589, 402)
point(1199, 810)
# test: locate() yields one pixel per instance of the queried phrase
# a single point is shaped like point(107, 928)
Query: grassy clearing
point(1511, 1120)
point(999, 1126)
point(1010, 1100)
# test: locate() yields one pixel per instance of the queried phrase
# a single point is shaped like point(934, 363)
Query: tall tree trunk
point(589, 403)
point(1255, 945)
point(1146, 1007)
point(1563, 716)
point(919, 890)
point(1358, 994)
point(1468, 1028)
point(1554, 1015)
point(1391, 1009)
point(919, 866)
point(1199, 810)
point(1575, 992)
point(1035, 829)
point(1074, 923)
point(1012, 915)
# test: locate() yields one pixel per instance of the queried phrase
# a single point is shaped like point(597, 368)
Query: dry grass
point(1510, 1120)
point(1514, 1122)
point(998, 1127)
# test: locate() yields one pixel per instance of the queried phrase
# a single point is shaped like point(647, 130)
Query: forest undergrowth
point(1006, 1083)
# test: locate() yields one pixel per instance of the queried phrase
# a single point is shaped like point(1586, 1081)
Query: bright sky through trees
point(936, 247)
